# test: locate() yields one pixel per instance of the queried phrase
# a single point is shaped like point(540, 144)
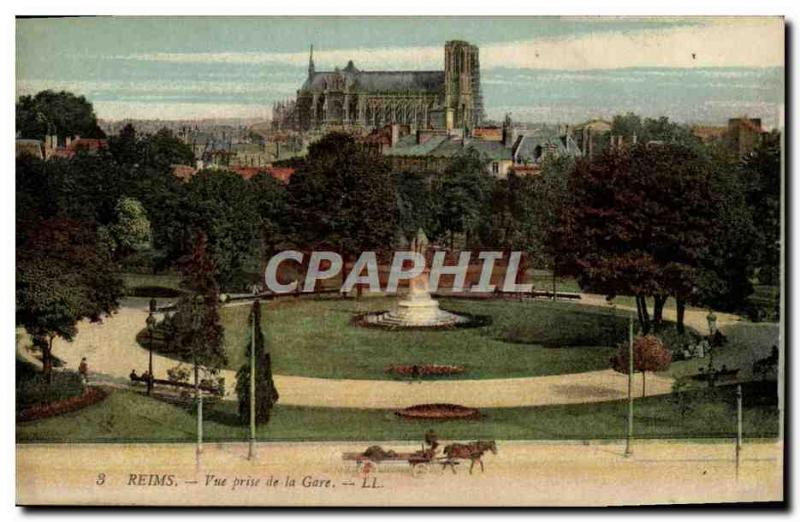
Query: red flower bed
point(422, 370)
point(91, 396)
point(439, 411)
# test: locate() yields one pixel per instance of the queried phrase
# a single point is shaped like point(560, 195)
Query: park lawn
point(127, 416)
point(316, 338)
point(151, 285)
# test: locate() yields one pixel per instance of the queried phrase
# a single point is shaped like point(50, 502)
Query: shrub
point(32, 388)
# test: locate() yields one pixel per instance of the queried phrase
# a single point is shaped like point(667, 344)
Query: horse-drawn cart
point(375, 458)
point(423, 461)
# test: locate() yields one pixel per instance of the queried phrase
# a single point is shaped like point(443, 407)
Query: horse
point(472, 451)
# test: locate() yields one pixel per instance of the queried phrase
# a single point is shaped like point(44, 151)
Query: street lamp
point(151, 328)
point(712, 330)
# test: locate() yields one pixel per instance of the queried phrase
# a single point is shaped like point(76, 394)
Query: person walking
point(83, 371)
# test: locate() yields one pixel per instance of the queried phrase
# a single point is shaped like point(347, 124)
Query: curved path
point(112, 352)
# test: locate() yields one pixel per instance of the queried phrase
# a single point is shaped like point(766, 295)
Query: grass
point(316, 338)
point(151, 285)
point(127, 416)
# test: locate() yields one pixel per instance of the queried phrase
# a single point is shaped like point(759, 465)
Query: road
point(522, 473)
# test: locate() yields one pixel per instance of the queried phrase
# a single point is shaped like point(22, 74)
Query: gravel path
point(112, 352)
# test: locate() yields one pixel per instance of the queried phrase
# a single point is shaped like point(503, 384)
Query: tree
point(416, 203)
point(761, 172)
point(463, 194)
point(124, 146)
point(727, 266)
point(163, 149)
point(638, 222)
point(131, 230)
point(649, 355)
point(266, 393)
point(343, 196)
point(56, 113)
point(63, 277)
point(272, 206)
point(222, 204)
point(196, 327)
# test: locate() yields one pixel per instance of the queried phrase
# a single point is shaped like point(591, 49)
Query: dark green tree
point(416, 203)
point(266, 393)
point(197, 331)
point(271, 200)
point(463, 195)
point(761, 171)
point(63, 276)
point(61, 113)
point(343, 196)
point(222, 204)
point(638, 222)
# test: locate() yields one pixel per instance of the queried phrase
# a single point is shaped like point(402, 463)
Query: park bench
point(164, 382)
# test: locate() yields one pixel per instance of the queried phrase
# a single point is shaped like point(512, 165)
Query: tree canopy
point(56, 113)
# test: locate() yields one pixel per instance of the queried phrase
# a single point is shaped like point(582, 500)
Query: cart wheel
point(420, 469)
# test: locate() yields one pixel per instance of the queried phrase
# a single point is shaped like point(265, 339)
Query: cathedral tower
point(463, 100)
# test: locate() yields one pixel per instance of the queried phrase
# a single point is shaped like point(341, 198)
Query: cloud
point(718, 42)
point(118, 110)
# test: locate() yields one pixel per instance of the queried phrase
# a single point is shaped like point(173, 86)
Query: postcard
point(310, 261)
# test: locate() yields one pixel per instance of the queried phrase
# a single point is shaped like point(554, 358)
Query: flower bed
point(91, 396)
point(424, 370)
point(439, 412)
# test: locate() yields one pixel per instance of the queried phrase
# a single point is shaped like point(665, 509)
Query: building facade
point(350, 98)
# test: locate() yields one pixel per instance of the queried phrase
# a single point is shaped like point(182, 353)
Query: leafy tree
point(124, 146)
point(653, 129)
point(416, 203)
point(762, 174)
point(638, 223)
point(164, 149)
point(222, 204)
point(539, 201)
point(61, 113)
point(266, 393)
point(649, 355)
point(343, 196)
point(63, 277)
point(463, 192)
point(726, 268)
point(131, 230)
point(271, 200)
point(196, 329)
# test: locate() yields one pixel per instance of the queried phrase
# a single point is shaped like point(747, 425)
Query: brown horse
point(472, 451)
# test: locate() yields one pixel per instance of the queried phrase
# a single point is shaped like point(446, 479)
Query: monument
point(418, 309)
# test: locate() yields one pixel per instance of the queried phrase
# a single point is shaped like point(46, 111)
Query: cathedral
point(353, 99)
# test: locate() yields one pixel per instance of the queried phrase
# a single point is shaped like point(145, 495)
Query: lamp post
point(629, 432)
point(711, 318)
point(151, 328)
point(197, 323)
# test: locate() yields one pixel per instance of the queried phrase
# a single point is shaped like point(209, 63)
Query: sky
point(544, 69)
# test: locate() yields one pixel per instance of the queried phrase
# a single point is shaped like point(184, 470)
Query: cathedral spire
point(311, 62)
